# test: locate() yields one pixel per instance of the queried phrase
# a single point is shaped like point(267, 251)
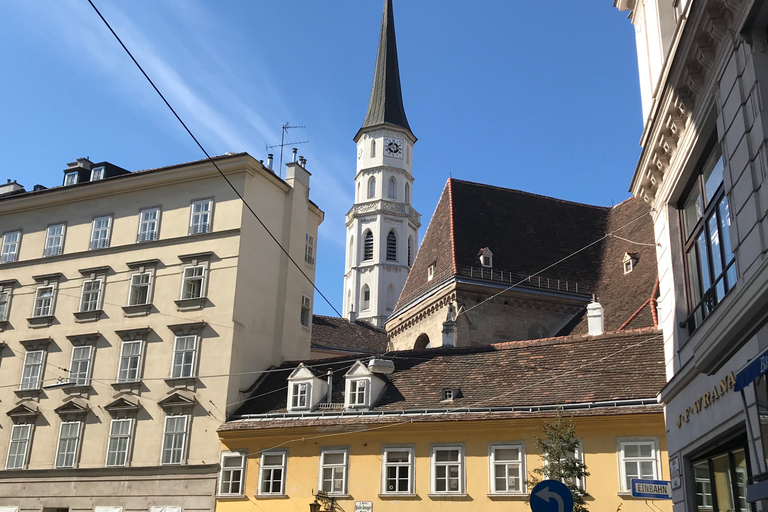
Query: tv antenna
point(287, 126)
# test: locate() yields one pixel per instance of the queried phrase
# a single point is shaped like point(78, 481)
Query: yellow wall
point(598, 435)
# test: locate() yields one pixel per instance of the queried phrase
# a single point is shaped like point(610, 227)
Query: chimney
point(270, 158)
point(81, 163)
point(352, 316)
point(295, 154)
point(303, 162)
point(330, 385)
point(595, 319)
point(449, 329)
point(10, 186)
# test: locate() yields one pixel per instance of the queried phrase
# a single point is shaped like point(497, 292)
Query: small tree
point(558, 450)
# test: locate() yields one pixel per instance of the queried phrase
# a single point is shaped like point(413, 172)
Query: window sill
point(126, 385)
point(76, 389)
point(399, 496)
point(28, 393)
point(181, 382)
point(448, 495)
point(510, 496)
point(231, 497)
point(40, 321)
point(88, 316)
point(190, 304)
point(269, 496)
point(137, 310)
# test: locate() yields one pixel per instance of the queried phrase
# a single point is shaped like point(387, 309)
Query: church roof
point(386, 103)
point(338, 334)
point(527, 233)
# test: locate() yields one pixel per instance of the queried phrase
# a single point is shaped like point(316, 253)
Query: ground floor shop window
point(721, 482)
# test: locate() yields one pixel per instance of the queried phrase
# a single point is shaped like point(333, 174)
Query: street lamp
point(314, 506)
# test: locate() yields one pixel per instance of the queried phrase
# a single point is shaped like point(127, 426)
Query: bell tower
point(382, 227)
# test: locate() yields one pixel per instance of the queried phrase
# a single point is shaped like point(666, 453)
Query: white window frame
point(132, 286)
point(385, 465)
point(392, 188)
point(309, 250)
point(127, 359)
point(97, 240)
point(621, 443)
point(306, 311)
point(5, 302)
point(180, 361)
point(189, 279)
point(77, 375)
point(296, 394)
point(267, 470)
point(201, 221)
point(97, 173)
point(71, 178)
point(114, 445)
point(39, 309)
point(66, 447)
point(51, 248)
point(355, 393)
point(87, 301)
point(167, 508)
point(372, 181)
point(22, 445)
point(578, 454)
point(146, 235)
point(32, 381)
point(431, 272)
point(6, 254)
point(520, 463)
point(366, 302)
point(177, 454)
point(434, 464)
point(226, 474)
point(344, 468)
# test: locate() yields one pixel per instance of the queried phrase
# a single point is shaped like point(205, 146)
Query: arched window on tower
point(366, 298)
point(410, 248)
point(352, 259)
point(368, 246)
point(390, 297)
point(371, 187)
point(391, 246)
point(373, 149)
point(407, 194)
point(392, 189)
point(358, 194)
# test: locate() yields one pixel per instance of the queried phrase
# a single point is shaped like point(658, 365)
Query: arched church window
point(410, 245)
point(391, 297)
point(407, 194)
point(392, 186)
point(407, 153)
point(391, 246)
point(371, 187)
point(373, 149)
point(358, 194)
point(352, 260)
point(368, 246)
point(366, 298)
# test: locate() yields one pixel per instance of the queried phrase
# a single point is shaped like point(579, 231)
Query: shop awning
point(752, 371)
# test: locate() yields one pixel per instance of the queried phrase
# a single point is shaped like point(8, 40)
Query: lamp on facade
point(314, 506)
point(325, 502)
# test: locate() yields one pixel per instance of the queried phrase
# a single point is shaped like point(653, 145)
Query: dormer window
point(486, 257)
point(97, 173)
point(300, 392)
point(357, 394)
point(431, 272)
point(70, 178)
point(450, 394)
point(629, 262)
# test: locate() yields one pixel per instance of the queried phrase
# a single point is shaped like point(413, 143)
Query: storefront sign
point(674, 472)
point(363, 506)
point(707, 399)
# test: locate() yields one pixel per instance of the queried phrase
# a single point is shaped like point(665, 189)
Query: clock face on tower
point(393, 147)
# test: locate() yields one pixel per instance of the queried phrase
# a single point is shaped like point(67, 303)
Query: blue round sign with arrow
point(551, 496)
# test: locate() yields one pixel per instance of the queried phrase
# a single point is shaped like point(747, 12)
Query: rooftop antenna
point(287, 126)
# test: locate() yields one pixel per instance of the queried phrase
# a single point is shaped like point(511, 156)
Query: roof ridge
point(576, 337)
point(453, 237)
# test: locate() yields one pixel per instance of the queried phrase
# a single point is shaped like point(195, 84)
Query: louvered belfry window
point(391, 246)
point(368, 246)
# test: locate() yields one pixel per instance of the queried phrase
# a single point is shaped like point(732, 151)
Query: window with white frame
point(97, 173)
point(90, 295)
point(372, 184)
point(100, 230)
point(54, 240)
point(397, 470)
point(333, 470)
point(32, 371)
point(309, 249)
point(366, 298)
point(5, 301)
point(120, 433)
point(43, 305)
point(80, 365)
point(149, 225)
point(200, 216)
point(19, 448)
point(184, 352)
point(357, 392)
point(232, 474)
point(306, 311)
point(638, 458)
point(431, 272)
point(300, 395)
point(71, 178)
point(130, 361)
point(193, 282)
point(447, 469)
point(506, 468)
point(165, 509)
point(272, 466)
point(578, 454)
point(69, 441)
point(392, 189)
point(139, 289)
point(174, 439)
point(10, 249)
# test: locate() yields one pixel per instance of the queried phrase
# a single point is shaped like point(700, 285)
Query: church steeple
point(386, 103)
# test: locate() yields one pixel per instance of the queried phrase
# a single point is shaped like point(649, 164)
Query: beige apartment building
point(135, 309)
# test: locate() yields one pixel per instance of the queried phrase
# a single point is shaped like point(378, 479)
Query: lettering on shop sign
point(707, 399)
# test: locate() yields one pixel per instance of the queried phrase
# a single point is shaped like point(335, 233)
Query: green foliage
point(558, 447)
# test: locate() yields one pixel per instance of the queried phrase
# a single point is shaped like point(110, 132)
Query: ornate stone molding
point(422, 314)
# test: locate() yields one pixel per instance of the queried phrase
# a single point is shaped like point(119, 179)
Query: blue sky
point(536, 96)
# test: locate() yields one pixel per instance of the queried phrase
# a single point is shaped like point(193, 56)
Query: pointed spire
point(386, 103)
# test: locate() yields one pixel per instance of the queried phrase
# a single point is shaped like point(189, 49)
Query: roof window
point(486, 257)
point(629, 262)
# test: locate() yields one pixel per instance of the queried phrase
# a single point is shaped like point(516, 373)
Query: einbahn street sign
point(652, 489)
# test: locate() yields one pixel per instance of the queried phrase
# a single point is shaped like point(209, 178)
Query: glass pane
point(646, 469)
point(273, 460)
point(713, 174)
point(630, 450)
point(646, 451)
point(703, 487)
point(706, 281)
point(447, 455)
point(692, 210)
point(506, 454)
point(717, 260)
point(397, 456)
point(723, 478)
point(725, 232)
point(333, 458)
point(232, 462)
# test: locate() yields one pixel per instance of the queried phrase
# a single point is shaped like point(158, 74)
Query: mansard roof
point(330, 333)
point(527, 233)
point(386, 103)
point(591, 374)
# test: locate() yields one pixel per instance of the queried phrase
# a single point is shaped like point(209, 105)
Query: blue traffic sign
point(551, 496)
point(652, 489)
